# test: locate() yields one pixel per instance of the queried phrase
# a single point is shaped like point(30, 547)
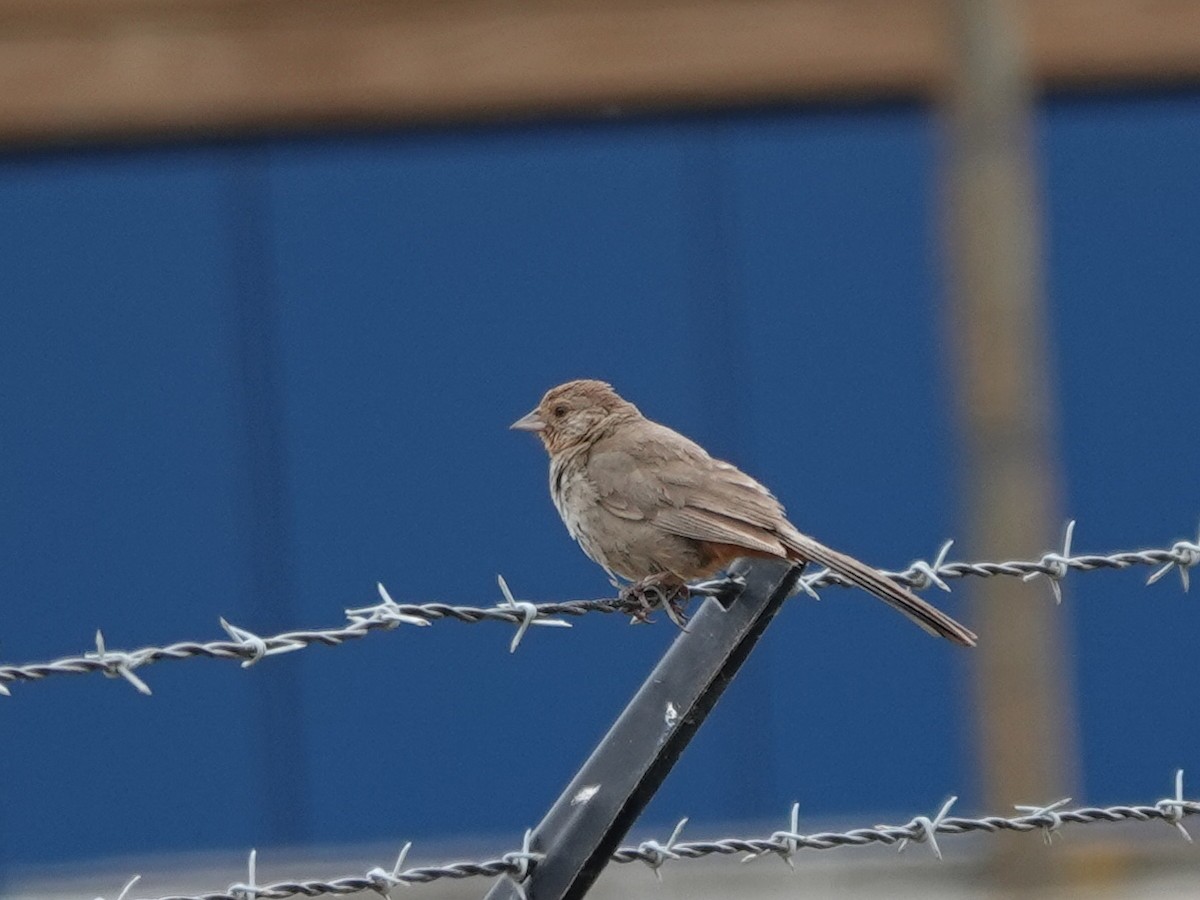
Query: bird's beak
point(530, 422)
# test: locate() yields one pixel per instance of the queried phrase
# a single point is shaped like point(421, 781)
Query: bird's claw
point(674, 608)
point(644, 596)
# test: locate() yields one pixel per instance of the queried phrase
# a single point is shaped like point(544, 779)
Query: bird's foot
point(645, 595)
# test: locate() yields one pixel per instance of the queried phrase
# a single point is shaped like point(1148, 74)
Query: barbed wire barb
point(654, 854)
point(1049, 813)
point(529, 615)
point(787, 841)
point(383, 880)
point(1187, 554)
point(923, 574)
point(387, 613)
point(249, 889)
point(520, 861)
point(247, 647)
point(925, 829)
point(256, 646)
point(1056, 565)
point(117, 664)
point(128, 887)
point(1175, 808)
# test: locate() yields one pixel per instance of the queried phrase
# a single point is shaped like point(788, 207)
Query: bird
point(653, 507)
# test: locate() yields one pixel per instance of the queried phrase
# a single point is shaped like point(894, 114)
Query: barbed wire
point(248, 648)
point(785, 844)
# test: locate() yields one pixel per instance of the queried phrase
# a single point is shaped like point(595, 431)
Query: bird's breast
point(571, 492)
point(578, 503)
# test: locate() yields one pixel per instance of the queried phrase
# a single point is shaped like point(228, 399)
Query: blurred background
point(276, 277)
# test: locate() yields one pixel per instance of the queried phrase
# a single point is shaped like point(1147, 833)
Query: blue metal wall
point(250, 380)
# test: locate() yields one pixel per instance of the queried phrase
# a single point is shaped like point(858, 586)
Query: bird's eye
point(560, 411)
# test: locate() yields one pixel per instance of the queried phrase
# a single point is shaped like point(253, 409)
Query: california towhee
point(648, 504)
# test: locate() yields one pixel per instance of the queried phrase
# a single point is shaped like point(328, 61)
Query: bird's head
point(575, 413)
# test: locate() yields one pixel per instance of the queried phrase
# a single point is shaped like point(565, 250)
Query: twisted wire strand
point(248, 648)
point(354, 884)
point(786, 843)
point(782, 843)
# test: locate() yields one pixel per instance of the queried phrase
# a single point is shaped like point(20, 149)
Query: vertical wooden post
point(997, 326)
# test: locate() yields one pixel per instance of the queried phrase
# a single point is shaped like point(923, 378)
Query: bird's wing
point(702, 525)
point(656, 474)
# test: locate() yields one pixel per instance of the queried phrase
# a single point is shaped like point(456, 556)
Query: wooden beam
point(80, 68)
point(1011, 486)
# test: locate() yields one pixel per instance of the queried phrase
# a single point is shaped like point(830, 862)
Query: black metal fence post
point(588, 821)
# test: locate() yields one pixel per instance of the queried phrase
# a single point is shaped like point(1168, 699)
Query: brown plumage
point(652, 506)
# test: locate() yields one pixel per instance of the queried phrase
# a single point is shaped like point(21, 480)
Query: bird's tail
point(894, 594)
